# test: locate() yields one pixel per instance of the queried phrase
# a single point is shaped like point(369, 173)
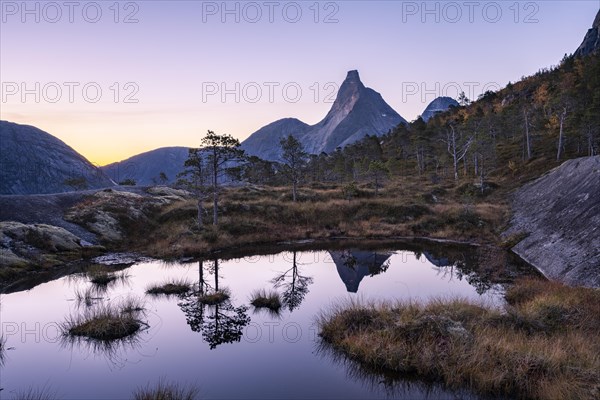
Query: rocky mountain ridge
point(357, 111)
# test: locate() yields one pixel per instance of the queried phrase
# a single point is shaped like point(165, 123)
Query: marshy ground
point(543, 345)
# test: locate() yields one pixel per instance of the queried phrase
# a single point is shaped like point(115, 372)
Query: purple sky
point(168, 71)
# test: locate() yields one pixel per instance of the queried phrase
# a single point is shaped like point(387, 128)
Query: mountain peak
point(351, 86)
point(356, 112)
point(353, 76)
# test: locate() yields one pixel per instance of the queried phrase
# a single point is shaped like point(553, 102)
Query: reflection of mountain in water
point(437, 261)
point(354, 265)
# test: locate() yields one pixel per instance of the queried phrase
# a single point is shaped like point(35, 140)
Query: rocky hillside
point(51, 230)
point(558, 217)
point(33, 161)
point(591, 42)
point(358, 111)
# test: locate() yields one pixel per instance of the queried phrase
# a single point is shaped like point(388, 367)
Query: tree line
point(552, 115)
point(220, 158)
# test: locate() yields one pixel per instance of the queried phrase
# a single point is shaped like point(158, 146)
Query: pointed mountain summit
point(438, 105)
point(357, 111)
point(35, 162)
point(591, 42)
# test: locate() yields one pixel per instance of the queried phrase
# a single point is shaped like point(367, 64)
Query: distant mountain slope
point(438, 105)
point(145, 168)
point(357, 111)
point(591, 41)
point(33, 162)
point(264, 143)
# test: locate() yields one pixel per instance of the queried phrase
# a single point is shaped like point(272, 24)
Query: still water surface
point(232, 351)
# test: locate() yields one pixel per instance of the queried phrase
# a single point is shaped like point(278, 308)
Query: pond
point(233, 350)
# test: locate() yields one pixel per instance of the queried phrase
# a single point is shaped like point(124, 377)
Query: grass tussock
point(170, 288)
point(270, 300)
point(544, 345)
point(107, 322)
point(87, 297)
point(166, 391)
point(35, 393)
point(215, 297)
point(101, 275)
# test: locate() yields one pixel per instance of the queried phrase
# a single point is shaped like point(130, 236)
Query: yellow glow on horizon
point(107, 136)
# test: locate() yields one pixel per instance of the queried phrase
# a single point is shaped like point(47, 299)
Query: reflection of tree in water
point(219, 323)
point(294, 285)
point(458, 264)
point(373, 260)
point(482, 267)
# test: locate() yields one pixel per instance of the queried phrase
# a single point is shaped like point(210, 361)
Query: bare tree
point(590, 141)
point(457, 151)
point(527, 135)
point(561, 122)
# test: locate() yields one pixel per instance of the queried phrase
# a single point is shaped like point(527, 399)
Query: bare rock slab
point(559, 217)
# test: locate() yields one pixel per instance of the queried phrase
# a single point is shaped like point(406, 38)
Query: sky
point(116, 78)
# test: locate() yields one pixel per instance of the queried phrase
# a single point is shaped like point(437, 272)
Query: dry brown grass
point(258, 215)
point(170, 288)
point(263, 299)
point(106, 322)
point(408, 206)
point(214, 298)
point(102, 275)
point(545, 345)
